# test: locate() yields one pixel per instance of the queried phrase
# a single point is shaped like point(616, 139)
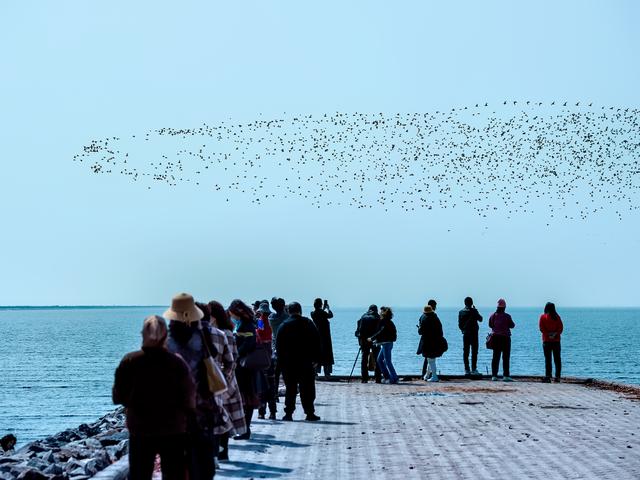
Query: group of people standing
point(172, 410)
point(166, 389)
point(376, 333)
point(433, 344)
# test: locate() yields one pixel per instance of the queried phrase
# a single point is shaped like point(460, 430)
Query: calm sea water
point(57, 364)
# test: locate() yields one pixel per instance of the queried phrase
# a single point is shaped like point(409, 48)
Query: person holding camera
point(468, 319)
point(321, 316)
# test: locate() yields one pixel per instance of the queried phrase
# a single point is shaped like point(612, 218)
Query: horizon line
point(88, 306)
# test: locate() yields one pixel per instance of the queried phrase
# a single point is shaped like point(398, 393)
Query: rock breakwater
point(74, 454)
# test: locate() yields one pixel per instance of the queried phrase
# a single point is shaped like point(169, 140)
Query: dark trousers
point(502, 346)
point(269, 393)
point(203, 450)
point(277, 375)
point(223, 443)
point(328, 368)
point(172, 451)
point(364, 370)
point(550, 348)
point(470, 342)
point(302, 377)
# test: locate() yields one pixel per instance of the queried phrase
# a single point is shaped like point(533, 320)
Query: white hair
point(154, 331)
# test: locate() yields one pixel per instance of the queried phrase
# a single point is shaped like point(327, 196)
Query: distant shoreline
point(352, 307)
point(73, 307)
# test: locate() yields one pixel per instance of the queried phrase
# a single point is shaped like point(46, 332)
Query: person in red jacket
point(551, 328)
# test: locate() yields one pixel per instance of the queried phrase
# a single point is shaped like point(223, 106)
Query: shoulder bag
point(258, 359)
point(215, 378)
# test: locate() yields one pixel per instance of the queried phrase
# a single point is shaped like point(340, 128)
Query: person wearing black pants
point(468, 319)
point(142, 456)
point(304, 379)
point(159, 394)
point(367, 327)
point(501, 324)
point(549, 349)
point(298, 349)
point(551, 328)
point(502, 347)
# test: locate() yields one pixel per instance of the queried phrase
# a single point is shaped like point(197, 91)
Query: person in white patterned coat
point(231, 399)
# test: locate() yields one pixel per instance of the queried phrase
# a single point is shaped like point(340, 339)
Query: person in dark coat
point(248, 378)
point(298, 349)
point(158, 392)
point(425, 364)
point(431, 341)
point(468, 319)
point(321, 316)
point(367, 326)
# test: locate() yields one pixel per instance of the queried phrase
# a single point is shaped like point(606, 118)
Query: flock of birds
point(569, 160)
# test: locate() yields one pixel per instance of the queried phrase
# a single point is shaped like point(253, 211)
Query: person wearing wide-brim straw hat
point(183, 309)
point(186, 339)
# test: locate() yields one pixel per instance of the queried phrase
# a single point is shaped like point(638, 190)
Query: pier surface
point(448, 430)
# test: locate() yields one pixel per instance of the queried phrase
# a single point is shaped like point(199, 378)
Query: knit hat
point(502, 303)
point(183, 309)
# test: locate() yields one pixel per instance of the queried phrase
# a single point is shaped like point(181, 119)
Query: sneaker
point(494, 379)
point(312, 418)
point(434, 378)
point(272, 416)
point(475, 373)
point(467, 373)
point(244, 436)
point(288, 418)
point(556, 380)
point(386, 381)
point(546, 380)
point(507, 379)
point(427, 376)
point(364, 380)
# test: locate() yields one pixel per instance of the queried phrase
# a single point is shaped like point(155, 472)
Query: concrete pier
point(449, 430)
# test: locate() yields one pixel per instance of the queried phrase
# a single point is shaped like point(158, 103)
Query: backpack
point(393, 332)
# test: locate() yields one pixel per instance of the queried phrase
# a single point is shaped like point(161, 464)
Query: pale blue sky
point(73, 71)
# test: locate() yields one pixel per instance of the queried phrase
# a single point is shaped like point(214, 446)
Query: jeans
point(502, 347)
point(385, 364)
point(470, 342)
point(172, 451)
point(551, 348)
